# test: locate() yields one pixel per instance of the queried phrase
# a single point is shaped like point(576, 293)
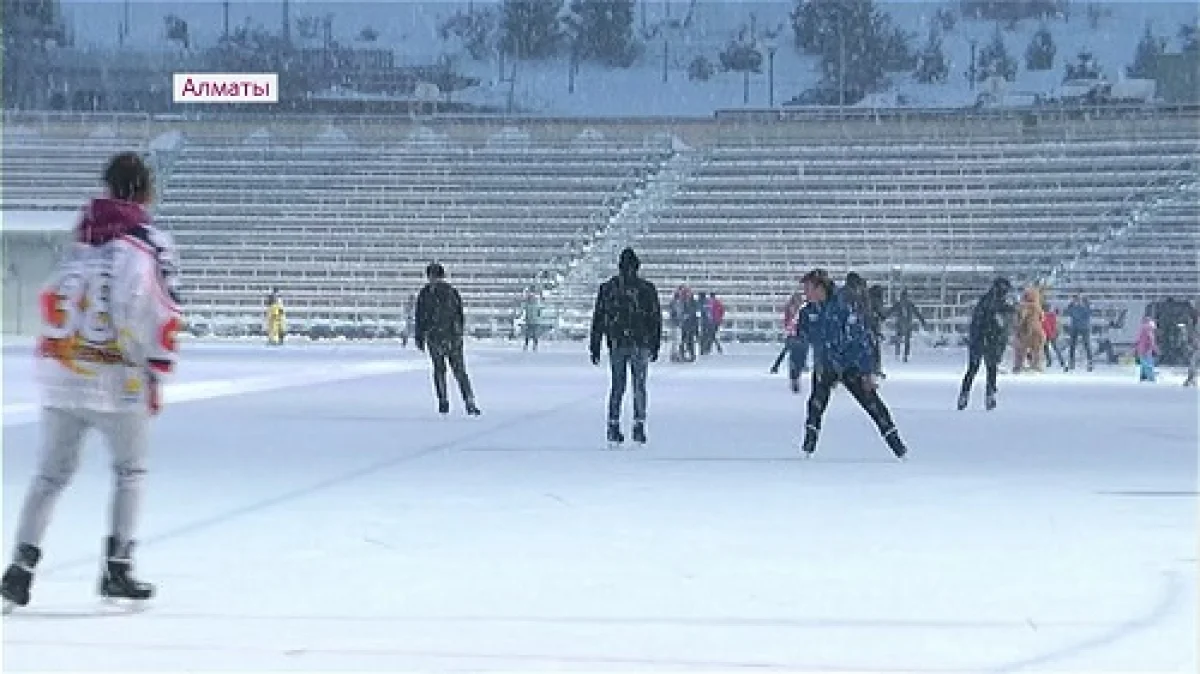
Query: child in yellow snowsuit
point(1030, 339)
point(275, 327)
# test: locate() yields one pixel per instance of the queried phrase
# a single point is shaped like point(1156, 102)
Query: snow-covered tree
point(1145, 57)
point(857, 43)
point(931, 64)
point(475, 28)
point(603, 31)
point(1040, 53)
point(1189, 37)
point(995, 60)
point(530, 29)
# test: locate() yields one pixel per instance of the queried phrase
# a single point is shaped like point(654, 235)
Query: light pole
point(772, 47)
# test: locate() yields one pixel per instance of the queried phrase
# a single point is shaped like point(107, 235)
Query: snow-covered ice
point(335, 521)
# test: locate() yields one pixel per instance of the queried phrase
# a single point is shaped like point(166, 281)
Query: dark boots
point(116, 580)
point(19, 576)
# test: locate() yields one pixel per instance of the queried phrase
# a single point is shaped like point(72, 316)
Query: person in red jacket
point(1050, 327)
point(716, 310)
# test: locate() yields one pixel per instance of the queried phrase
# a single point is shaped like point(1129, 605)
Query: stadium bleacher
point(343, 219)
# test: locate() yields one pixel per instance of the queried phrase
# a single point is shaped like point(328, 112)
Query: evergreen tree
point(530, 29)
point(1145, 57)
point(603, 30)
point(1190, 37)
point(475, 28)
point(931, 64)
point(995, 61)
point(856, 42)
point(1040, 53)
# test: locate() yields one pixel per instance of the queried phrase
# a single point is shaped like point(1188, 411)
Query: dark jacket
point(627, 313)
point(840, 338)
point(1079, 315)
point(439, 316)
point(989, 327)
point(906, 314)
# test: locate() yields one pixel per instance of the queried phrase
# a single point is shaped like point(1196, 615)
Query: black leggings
point(990, 358)
point(822, 387)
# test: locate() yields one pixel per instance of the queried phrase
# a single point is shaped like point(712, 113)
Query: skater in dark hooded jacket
point(842, 353)
point(986, 338)
point(440, 327)
point(628, 317)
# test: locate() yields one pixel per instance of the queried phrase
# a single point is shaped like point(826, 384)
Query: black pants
point(450, 351)
point(531, 335)
point(1076, 337)
point(990, 356)
point(823, 382)
point(687, 349)
point(904, 341)
point(1052, 347)
point(624, 361)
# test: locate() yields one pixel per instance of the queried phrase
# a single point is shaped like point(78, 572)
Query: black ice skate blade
point(106, 608)
point(124, 604)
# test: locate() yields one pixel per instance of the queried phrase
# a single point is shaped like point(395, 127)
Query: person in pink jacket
point(1145, 348)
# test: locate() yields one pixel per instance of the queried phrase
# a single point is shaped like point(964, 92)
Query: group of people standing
point(696, 319)
point(870, 304)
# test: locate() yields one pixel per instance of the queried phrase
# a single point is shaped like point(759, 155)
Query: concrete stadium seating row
point(345, 227)
point(338, 227)
point(751, 219)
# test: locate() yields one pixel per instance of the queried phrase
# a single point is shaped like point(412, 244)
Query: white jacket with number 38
point(109, 317)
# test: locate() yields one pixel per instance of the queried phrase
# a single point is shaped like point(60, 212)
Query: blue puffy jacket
point(839, 337)
point(1080, 316)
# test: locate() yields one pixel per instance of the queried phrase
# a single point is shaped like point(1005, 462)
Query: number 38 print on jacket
point(109, 313)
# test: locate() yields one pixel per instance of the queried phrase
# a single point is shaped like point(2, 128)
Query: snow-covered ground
point(411, 29)
point(328, 519)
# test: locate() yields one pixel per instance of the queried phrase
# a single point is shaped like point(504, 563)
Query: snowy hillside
point(411, 29)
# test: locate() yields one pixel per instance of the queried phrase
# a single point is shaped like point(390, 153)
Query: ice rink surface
point(307, 509)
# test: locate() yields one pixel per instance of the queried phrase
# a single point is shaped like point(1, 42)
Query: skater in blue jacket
point(842, 353)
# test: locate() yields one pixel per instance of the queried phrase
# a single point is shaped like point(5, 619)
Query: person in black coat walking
point(439, 326)
point(629, 318)
point(986, 339)
point(907, 315)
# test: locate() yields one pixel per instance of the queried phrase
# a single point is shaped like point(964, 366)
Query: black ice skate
point(990, 401)
point(893, 440)
point(443, 407)
point(615, 437)
point(19, 576)
point(639, 432)
point(795, 386)
point(116, 580)
point(472, 410)
point(963, 399)
point(810, 441)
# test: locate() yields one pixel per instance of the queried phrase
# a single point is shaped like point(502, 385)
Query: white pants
point(63, 434)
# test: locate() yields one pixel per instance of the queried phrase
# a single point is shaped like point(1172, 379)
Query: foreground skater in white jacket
point(109, 321)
